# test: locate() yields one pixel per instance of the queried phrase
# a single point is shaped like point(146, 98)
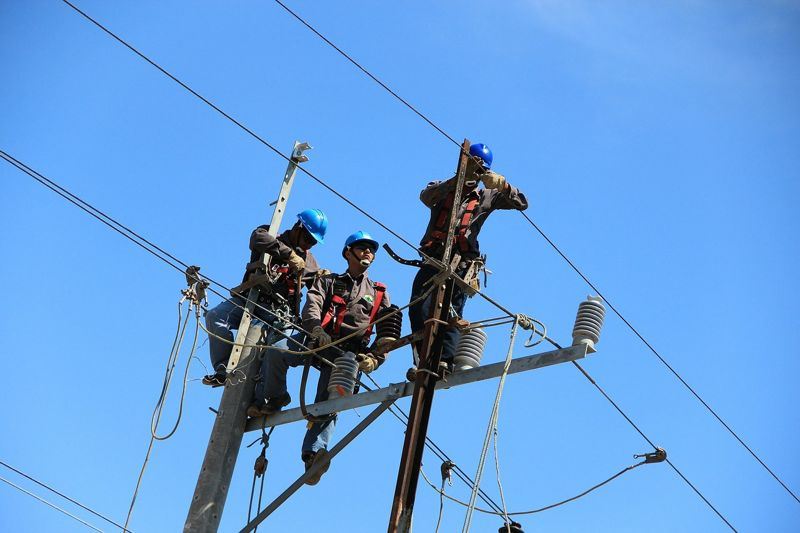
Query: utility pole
point(205, 511)
point(426, 376)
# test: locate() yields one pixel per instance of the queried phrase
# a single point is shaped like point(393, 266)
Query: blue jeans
point(225, 318)
point(274, 369)
point(419, 313)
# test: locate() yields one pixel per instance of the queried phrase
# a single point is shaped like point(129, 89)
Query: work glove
point(493, 180)
point(366, 362)
point(320, 336)
point(323, 272)
point(296, 263)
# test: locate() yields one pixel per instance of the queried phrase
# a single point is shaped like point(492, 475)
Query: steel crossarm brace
point(402, 390)
point(294, 487)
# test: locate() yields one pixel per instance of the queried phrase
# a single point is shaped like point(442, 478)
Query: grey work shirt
point(435, 194)
point(359, 294)
point(279, 248)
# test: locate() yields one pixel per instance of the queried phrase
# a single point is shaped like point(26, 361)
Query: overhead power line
point(127, 232)
point(260, 139)
point(54, 491)
point(557, 249)
point(54, 506)
point(144, 243)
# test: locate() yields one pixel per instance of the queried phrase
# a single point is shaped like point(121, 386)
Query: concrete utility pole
point(205, 511)
point(426, 377)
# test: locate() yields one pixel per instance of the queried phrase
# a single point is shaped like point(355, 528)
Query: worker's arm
point(436, 191)
point(509, 197)
point(315, 299)
point(264, 243)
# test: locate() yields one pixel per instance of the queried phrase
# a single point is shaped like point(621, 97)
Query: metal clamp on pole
point(196, 292)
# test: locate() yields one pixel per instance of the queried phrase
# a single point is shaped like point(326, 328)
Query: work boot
point(217, 379)
point(269, 406)
point(312, 458)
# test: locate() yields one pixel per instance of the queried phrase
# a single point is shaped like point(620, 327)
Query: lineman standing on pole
point(476, 205)
point(336, 306)
point(291, 261)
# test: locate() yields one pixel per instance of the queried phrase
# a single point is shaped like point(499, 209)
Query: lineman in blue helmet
point(337, 306)
point(290, 267)
point(476, 206)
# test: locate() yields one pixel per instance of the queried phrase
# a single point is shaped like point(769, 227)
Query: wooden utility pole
point(205, 511)
point(426, 376)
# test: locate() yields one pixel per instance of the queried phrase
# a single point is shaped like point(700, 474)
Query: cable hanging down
point(653, 457)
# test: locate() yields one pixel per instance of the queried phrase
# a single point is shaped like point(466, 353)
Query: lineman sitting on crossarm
point(476, 205)
point(291, 261)
point(336, 306)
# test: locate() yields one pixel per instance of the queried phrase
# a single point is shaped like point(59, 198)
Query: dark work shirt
point(279, 249)
point(359, 294)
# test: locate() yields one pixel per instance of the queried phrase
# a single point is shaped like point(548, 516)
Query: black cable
point(451, 139)
point(640, 432)
point(102, 217)
point(54, 491)
point(438, 452)
point(368, 73)
point(365, 213)
point(660, 358)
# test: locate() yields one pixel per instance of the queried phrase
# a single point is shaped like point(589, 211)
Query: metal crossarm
point(401, 390)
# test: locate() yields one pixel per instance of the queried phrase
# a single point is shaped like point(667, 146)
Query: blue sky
point(658, 146)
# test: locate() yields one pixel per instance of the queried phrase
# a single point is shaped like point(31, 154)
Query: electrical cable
point(661, 358)
point(490, 429)
point(54, 491)
point(645, 437)
point(540, 509)
point(54, 506)
point(437, 451)
point(273, 148)
point(556, 248)
point(318, 180)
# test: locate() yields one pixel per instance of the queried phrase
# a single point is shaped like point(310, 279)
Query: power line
point(51, 489)
point(54, 506)
point(126, 232)
point(661, 358)
point(630, 326)
point(645, 437)
point(115, 225)
point(263, 141)
point(331, 189)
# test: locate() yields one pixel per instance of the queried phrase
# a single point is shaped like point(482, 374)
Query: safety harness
point(335, 307)
point(438, 233)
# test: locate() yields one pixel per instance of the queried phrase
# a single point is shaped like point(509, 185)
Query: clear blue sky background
point(659, 146)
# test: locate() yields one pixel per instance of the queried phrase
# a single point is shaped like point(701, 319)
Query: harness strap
point(438, 235)
point(380, 290)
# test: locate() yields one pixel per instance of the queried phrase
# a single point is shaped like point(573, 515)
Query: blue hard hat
point(482, 152)
point(315, 222)
point(360, 237)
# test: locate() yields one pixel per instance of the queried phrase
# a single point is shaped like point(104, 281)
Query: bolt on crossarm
point(427, 375)
point(205, 511)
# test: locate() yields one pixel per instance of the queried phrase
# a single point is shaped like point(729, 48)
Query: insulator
point(469, 349)
point(389, 328)
point(588, 322)
point(343, 377)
